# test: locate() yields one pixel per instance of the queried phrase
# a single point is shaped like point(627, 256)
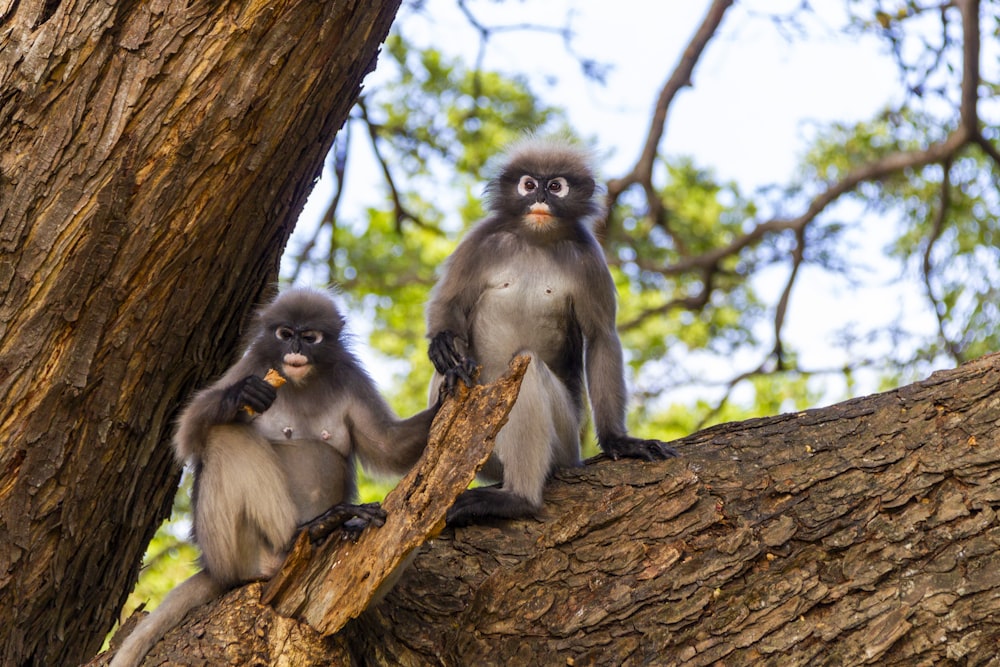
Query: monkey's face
point(300, 335)
point(537, 193)
point(298, 351)
point(543, 200)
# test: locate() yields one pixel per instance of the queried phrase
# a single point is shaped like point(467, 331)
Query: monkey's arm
point(606, 386)
point(606, 375)
point(384, 443)
point(221, 403)
point(451, 306)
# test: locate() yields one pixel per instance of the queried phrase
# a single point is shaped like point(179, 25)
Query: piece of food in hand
point(273, 378)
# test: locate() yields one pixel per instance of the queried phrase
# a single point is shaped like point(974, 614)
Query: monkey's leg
point(350, 519)
point(541, 434)
point(244, 515)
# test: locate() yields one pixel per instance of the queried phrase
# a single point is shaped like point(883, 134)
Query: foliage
point(947, 224)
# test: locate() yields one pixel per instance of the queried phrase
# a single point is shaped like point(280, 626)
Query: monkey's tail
point(195, 591)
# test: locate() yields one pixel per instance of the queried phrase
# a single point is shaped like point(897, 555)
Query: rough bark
point(153, 159)
point(861, 533)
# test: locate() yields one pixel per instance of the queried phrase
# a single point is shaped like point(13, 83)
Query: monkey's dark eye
point(526, 185)
point(558, 186)
point(312, 337)
point(284, 333)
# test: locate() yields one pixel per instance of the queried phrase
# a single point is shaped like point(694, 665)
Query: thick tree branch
point(862, 533)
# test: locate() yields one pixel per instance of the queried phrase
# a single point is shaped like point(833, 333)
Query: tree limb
point(680, 78)
point(862, 533)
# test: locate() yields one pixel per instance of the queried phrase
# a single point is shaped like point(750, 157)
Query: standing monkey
point(268, 461)
point(532, 279)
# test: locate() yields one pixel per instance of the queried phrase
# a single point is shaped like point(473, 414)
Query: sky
point(755, 98)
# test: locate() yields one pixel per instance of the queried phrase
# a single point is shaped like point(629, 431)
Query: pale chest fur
point(526, 304)
point(326, 423)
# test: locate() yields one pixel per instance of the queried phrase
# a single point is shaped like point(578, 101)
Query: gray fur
point(516, 286)
point(257, 479)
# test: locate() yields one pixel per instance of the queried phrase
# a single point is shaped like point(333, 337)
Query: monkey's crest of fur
point(309, 308)
point(546, 156)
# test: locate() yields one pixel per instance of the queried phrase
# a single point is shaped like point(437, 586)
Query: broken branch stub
point(327, 586)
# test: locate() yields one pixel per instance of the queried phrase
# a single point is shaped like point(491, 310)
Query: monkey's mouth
point(296, 367)
point(539, 215)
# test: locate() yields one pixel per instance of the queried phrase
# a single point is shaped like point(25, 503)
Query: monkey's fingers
point(251, 395)
point(257, 394)
point(369, 514)
point(627, 447)
point(352, 529)
point(443, 352)
point(467, 372)
point(351, 519)
point(659, 450)
point(256, 399)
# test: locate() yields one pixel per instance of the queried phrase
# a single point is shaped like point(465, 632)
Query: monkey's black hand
point(627, 447)
point(350, 519)
point(250, 392)
point(443, 352)
point(451, 363)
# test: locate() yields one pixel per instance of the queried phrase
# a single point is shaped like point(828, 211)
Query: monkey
point(531, 278)
point(268, 462)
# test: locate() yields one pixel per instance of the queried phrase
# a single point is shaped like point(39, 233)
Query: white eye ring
point(526, 186)
point(558, 187)
point(312, 337)
point(283, 333)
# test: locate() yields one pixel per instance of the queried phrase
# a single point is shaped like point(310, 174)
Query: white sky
point(747, 116)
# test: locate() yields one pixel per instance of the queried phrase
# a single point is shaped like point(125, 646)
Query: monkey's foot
point(350, 519)
point(484, 503)
point(627, 447)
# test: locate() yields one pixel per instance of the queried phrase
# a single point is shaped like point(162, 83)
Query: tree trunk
point(153, 159)
point(861, 533)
